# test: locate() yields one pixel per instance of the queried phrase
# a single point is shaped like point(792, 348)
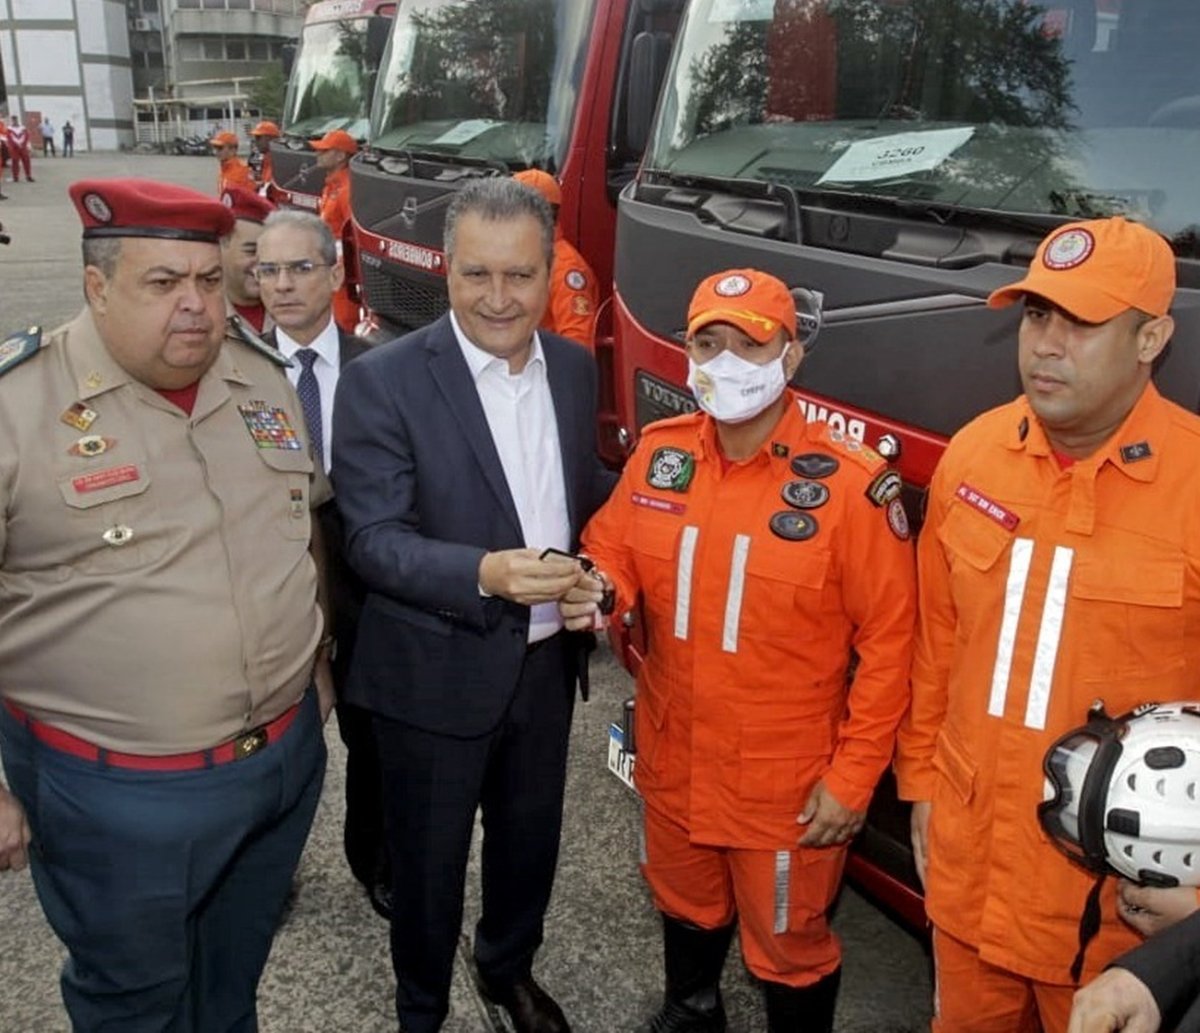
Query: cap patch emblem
point(576, 280)
point(227, 199)
point(733, 286)
point(1069, 249)
point(98, 208)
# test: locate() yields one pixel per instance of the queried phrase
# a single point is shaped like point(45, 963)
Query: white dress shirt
point(520, 414)
point(325, 369)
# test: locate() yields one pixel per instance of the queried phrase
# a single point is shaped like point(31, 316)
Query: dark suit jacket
point(423, 496)
point(1169, 964)
point(345, 590)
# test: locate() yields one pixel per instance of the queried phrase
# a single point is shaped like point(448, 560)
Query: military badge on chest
point(671, 469)
point(269, 426)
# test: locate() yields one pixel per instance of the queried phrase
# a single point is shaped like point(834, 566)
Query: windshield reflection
point(495, 80)
point(1073, 108)
point(330, 84)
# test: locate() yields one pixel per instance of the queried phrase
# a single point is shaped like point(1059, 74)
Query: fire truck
point(901, 159)
point(488, 87)
point(330, 84)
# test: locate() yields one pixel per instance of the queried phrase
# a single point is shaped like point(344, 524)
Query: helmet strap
point(1089, 926)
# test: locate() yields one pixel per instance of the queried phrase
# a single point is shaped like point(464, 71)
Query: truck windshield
point(496, 80)
point(1072, 108)
point(330, 82)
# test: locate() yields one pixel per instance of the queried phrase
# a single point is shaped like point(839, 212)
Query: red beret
point(245, 204)
point(146, 208)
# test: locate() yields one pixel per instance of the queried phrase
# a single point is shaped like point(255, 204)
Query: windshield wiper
point(752, 189)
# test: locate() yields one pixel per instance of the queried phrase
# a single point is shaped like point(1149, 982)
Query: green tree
point(267, 92)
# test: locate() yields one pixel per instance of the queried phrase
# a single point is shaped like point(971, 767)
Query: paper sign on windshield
point(465, 131)
point(741, 11)
point(898, 155)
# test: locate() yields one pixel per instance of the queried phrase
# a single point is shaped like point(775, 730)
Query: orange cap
point(1096, 270)
point(336, 140)
point(224, 139)
point(265, 128)
point(757, 303)
point(544, 183)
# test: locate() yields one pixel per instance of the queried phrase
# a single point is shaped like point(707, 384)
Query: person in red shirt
point(18, 149)
point(233, 171)
point(239, 254)
point(574, 291)
point(766, 551)
point(334, 151)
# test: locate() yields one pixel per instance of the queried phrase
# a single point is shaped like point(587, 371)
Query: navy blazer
point(423, 495)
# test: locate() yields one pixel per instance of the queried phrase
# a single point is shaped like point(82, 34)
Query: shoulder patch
point(852, 449)
point(237, 328)
point(18, 347)
point(885, 487)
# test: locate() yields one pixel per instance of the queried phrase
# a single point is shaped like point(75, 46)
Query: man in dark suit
point(298, 272)
point(461, 452)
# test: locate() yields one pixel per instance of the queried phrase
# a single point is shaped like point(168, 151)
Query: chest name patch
point(992, 510)
point(105, 478)
point(662, 505)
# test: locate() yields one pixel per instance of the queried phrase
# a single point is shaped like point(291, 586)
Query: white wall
point(46, 9)
point(47, 56)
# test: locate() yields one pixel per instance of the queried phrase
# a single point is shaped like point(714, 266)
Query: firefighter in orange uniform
point(334, 151)
point(233, 172)
point(1059, 563)
point(261, 136)
point(765, 550)
point(574, 292)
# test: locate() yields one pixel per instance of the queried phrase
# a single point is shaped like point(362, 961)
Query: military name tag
point(814, 464)
point(671, 469)
point(805, 494)
point(794, 526)
point(269, 426)
point(102, 479)
point(662, 505)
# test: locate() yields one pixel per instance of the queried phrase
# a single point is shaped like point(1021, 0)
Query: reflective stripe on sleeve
point(733, 599)
point(1049, 637)
point(683, 580)
point(1014, 596)
point(783, 873)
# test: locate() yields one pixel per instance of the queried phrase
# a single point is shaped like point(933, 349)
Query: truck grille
point(404, 303)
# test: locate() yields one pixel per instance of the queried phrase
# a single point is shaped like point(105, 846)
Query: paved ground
point(329, 970)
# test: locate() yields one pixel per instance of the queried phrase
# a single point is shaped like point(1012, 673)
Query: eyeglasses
point(299, 269)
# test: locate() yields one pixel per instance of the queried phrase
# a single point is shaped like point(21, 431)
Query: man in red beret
point(334, 151)
point(160, 635)
point(239, 253)
point(233, 171)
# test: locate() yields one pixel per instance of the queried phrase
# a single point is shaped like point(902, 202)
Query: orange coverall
point(742, 702)
point(1041, 590)
point(234, 173)
point(334, 209)
point(574, 295)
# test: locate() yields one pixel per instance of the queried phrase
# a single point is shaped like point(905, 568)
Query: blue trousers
point(166, 887)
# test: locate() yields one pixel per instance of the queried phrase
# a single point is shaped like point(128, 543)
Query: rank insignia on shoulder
point(805, 494)
point(794, 526)
point(238, 328)
point(18, 347)
point(815, 464)
point(671, 469)
point(1138, 450)
point(885, 487)
point(897, 520)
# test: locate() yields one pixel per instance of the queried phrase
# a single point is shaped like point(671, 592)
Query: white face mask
point(732, 389)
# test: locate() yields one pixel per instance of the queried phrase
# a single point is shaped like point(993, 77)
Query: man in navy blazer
point(460, 453)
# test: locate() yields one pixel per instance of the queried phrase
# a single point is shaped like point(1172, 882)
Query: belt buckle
point(249, 743)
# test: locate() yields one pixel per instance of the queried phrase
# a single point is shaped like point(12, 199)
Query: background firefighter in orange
point(764, 550)
point(1059, 563)
point(574, 292)
point(334, 151)
point(233, 172)
point(260, 158)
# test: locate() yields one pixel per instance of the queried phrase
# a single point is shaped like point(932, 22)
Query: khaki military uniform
point(157, 594)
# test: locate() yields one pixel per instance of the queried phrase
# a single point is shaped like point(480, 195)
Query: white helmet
point(1123, 794)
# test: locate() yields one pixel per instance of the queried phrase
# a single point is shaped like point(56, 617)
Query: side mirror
point(648, 57)
point(287, 56)
point(379, 29)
